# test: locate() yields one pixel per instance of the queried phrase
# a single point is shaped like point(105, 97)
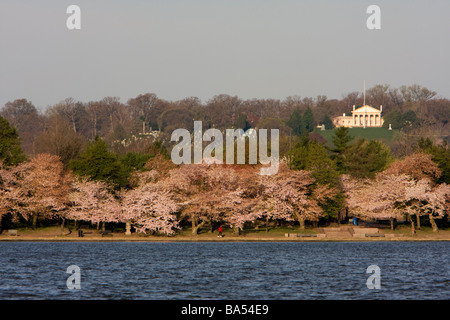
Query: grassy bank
point(403, 233)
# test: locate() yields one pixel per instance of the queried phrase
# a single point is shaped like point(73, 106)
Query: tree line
point(147, 192)
point(64, 128)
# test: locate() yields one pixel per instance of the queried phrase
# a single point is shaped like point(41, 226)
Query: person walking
point(220, 232)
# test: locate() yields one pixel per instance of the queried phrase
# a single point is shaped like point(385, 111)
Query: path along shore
point(316, 235)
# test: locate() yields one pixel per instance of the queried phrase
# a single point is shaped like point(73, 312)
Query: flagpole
point(364, 103)
point(364, 94)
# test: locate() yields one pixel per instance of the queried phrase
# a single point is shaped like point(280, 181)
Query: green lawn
point(406, 230)
point(261, 231)
point(54, 232)
point(382, 134)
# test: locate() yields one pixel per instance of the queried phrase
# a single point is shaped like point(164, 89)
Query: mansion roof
point(366, 109)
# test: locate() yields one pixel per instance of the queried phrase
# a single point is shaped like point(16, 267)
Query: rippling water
point(272, 271)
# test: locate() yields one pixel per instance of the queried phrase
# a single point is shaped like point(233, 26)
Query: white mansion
point(365, 116)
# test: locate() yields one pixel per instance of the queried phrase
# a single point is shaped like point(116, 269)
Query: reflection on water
point(273, 271)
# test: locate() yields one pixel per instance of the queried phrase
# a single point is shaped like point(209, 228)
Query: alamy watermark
point(374, 20)
point(257, 140)
point(374, 281)
point(74, 280)
point(73, 22)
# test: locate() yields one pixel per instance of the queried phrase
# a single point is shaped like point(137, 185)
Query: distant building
point(365, 116)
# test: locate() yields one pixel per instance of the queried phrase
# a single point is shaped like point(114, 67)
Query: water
point(225, 271)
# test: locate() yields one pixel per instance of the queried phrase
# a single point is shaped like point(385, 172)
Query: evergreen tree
point(298, 157)
point(133, 161)
point(98, 163)
point(399, 120)
point(327, 122)
point(295, 122)
point(393, 118)
point(318, 161)
point(10, 150)
point(425, 144)
point(313, 156)
point(308, 120)
point(441, 155)
point(366, 157)
point(341, 139)
point(409, 118)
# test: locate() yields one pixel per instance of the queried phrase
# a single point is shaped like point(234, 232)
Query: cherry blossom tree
point(288, 194)
point(415, 195)
point(149, 207)
point(187, 185)
point(437, 203)
point(7, 192)
point(246, 201)
point(378, 198)
point(160, 165)
point(424, 198)
point(42, 186)
point(245, 210)
point(205, 192)
point(141, 177)
point(93, 201)
point(392, 193)
point(417, 166)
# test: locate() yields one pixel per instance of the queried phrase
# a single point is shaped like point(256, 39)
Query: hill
point(382, 134)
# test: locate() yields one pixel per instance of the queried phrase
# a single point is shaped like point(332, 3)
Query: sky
point(201, 48)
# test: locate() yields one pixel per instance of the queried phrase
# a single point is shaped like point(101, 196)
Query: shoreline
point(222, 240)
point(53, 234)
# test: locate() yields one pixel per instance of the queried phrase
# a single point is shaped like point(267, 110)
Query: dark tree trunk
point(211, 225)
point(413, 231)
point(62, 225)
point(34, 221)
point(392, 223)
point(302, 223)
point(433, 223)
point(195, 225)
point(417, 221)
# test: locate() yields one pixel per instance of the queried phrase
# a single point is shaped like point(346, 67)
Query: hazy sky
point(248, 48)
